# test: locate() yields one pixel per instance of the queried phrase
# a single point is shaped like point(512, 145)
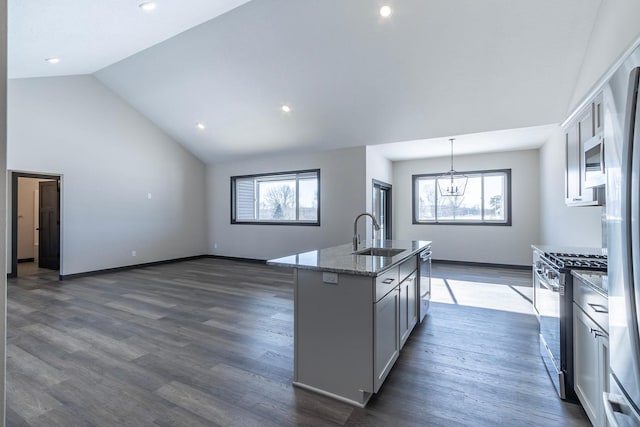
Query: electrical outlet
point(133, 253)
point(149, 196)
point(331, 278)
point(215, 246)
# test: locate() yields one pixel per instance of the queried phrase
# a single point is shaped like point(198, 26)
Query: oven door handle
point(550, 286)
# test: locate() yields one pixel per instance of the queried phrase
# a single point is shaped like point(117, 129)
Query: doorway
point(35, 224)
point(382, 208)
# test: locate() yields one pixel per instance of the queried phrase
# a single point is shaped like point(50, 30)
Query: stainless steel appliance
point(425, 283)
point(553, 303)
point(622, 151)
point(593, 161)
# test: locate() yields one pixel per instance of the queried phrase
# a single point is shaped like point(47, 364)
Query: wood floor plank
point(30, 366)
point(27, 398)
point(105, 343)
point(207, 406)
point(54, 337)
point(151, 300)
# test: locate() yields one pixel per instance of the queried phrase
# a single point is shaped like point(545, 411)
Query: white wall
point(342, 176)
point(616, 29)
point(485, 244)
point(110, 157)
point(560, 224)
point(379, 168)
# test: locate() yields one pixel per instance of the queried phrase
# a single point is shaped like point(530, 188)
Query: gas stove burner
point(585, 263)
point(578, 261)
point(568, 255)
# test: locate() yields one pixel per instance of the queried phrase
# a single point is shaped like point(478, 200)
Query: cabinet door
point(586, 364)
point(404, 319)
point(603, 360)
point(598, 115)
point(576, 134)
point(412, 303)
point(408, 307)
point(572, 166)
point(586, 124)
point(386, 336)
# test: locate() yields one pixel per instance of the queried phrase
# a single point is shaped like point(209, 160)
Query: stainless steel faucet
point(355, 228)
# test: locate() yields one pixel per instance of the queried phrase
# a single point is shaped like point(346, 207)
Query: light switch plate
point(330, 278)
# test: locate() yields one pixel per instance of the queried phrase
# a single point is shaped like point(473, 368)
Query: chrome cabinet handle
point(425, 256)
point(388, 281)
point(598, 308)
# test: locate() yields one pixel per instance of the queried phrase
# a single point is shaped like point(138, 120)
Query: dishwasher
point(425, 282)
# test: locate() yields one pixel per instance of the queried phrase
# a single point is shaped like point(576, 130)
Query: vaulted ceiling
point(433, 69)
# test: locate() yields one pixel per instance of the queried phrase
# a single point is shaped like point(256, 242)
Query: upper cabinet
point(584, 150)
point(593, 174)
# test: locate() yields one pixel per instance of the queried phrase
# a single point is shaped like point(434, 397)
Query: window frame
point(297, 222)
point(508, 211)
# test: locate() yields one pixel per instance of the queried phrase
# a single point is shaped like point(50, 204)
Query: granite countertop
point(570, 249)
point(341, 259)
point(597, 279)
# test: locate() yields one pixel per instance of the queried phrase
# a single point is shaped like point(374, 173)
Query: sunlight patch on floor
point(482, 295)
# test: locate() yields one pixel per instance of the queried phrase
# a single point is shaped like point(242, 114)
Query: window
point(276, 198)
point(486, 200)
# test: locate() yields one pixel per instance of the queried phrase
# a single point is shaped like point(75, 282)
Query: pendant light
point(452, 183)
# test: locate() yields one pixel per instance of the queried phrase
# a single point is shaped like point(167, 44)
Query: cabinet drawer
point(407, 267)
point(385, 282)
point(594, 304)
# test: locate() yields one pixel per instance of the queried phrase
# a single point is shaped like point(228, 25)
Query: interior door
point(49, 228)
point(382, 208)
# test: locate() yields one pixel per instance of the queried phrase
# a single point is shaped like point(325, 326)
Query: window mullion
point(435, 191)
point(297, 198)
point(482, 197)
point(256, 197)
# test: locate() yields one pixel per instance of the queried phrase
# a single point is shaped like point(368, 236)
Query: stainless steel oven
point(425, 283)
point(550, 306)
point(553, 303)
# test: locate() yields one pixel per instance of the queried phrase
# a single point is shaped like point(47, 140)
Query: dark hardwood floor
point(210, 342)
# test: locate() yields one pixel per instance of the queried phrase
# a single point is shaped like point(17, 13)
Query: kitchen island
point(353, 311)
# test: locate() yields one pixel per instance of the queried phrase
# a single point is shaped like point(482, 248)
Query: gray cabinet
point(591, 350)
point(386, 336)
point(587, 123)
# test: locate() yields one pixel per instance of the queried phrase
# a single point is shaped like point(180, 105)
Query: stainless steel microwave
point(593, 162)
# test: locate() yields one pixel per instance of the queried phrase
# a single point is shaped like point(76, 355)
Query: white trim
point(335, 396)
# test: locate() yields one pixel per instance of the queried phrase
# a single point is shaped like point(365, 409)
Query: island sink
point(385, 252)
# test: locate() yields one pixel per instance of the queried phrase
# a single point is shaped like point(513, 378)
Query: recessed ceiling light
point(147, 6)
point(385, 11)
point(200, 125)
point(52, 60)
point(286, 108)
